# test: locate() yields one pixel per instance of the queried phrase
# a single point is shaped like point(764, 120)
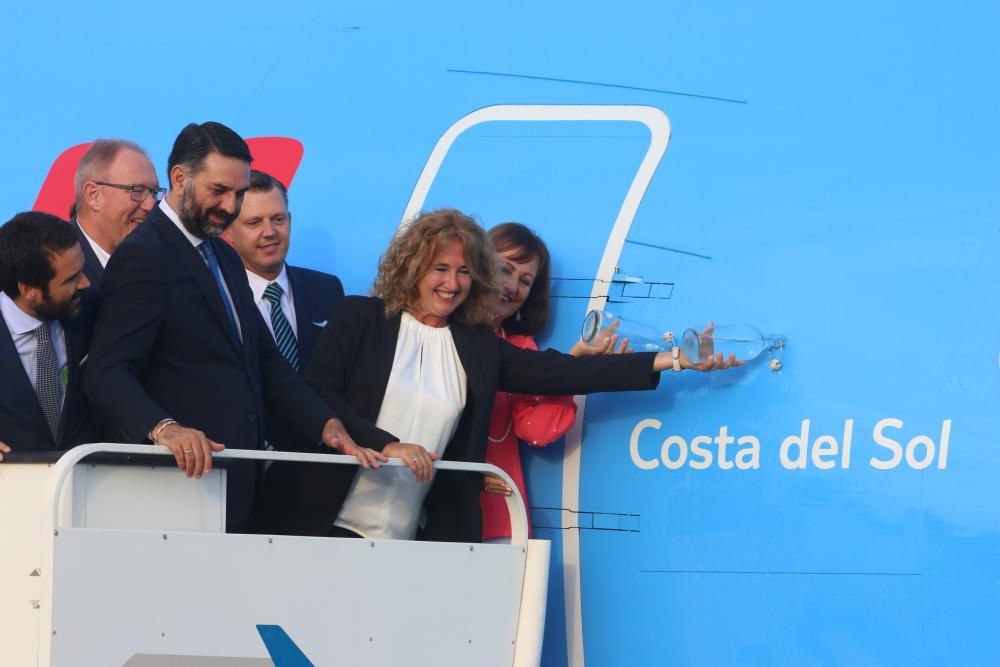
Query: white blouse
point(423, 403)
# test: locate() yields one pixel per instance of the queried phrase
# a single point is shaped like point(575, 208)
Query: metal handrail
point(60, 472)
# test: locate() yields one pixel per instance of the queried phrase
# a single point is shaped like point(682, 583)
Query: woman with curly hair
point(413, 372)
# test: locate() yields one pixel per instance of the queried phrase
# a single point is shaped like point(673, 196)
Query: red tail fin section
point(278, 156)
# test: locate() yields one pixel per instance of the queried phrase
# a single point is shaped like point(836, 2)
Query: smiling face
point(105, 207)
point(210, 198)
point(261, 232)
point(119, 214)
point(517, 278)
point(444, 287)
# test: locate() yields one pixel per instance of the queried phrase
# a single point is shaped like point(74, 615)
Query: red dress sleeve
point(540, 420)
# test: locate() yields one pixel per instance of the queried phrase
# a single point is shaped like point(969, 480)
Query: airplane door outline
point(659, 130)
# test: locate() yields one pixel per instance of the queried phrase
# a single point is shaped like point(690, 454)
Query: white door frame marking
point(659, 129)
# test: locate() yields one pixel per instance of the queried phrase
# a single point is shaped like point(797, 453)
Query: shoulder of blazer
point(316, 294)
point(478, 335)
point(363, 306)
point(367, 314)
point(314, 279)
point(150, 236)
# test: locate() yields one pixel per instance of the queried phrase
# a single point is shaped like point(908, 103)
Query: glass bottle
point(600, 325)
point(743, 340)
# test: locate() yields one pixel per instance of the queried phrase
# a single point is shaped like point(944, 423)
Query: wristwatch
point(675, 354)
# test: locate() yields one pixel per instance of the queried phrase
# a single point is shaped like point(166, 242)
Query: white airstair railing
point(138, 596)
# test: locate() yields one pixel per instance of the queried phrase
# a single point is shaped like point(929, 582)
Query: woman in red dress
point(537, 420)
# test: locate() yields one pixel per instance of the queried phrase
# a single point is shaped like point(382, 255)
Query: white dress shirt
point(102, 255)
point(22, 327)
point(258, 284)
point(195, 241)
point(423, 402)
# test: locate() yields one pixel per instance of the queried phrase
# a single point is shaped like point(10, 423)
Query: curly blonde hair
point(411, 254)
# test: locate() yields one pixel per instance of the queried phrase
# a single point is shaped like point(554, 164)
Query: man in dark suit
point(45, 328)
point(116, 187)
point(181, 356)
point(296, 304)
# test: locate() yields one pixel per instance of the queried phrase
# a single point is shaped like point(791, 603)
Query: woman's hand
point(610, 346)
point(708, 359)
point(496, 486)
point(605, 342)
point(417, 459)
point(4, 449)
point(336, 437)
point(715, 362)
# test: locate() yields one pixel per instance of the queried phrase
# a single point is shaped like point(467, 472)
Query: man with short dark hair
point(181, 356)
point(296, 304)
point(43, 336)
point(116, 187)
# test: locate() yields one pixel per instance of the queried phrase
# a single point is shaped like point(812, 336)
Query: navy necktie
point(283, 334)
point(213, 265)
point(48, 383)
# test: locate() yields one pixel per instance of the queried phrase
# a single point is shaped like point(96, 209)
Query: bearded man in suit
point(46, 311)
point(181, 356)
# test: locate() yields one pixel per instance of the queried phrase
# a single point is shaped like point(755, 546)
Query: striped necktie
point(48, 382)
point(283, 335)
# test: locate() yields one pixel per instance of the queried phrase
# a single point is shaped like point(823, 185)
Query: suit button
point(252, 418)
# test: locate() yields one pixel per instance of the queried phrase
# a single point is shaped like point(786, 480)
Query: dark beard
point(196, 220)
point(53, 310)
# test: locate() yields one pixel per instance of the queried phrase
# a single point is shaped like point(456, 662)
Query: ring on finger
point(188, 451)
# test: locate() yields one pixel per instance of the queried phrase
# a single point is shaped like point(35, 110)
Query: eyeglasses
point(137, 192)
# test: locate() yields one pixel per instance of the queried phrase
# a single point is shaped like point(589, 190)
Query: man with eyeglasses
point(116, 186)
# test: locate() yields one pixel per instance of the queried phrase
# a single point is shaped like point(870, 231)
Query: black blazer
point(91, 265)
point(163, 347)
point(317, 297)
point(22, 423)
point(350, 370)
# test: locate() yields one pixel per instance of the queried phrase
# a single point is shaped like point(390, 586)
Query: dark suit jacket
point(22, 423)
point(350, 370)
point(281, 504)
point(163, 347)
point(316, 296)
point(91, 265)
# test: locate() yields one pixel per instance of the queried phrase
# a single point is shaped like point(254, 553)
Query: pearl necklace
point(510, 421)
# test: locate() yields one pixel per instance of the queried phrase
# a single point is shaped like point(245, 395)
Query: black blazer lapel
point(77, 331)
point(312, 311)
point(382, 366)
point(20, 385)
point(91, 265)
point(468, 353)
point(306, 330)
point(189, 257)
point(236, 280)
